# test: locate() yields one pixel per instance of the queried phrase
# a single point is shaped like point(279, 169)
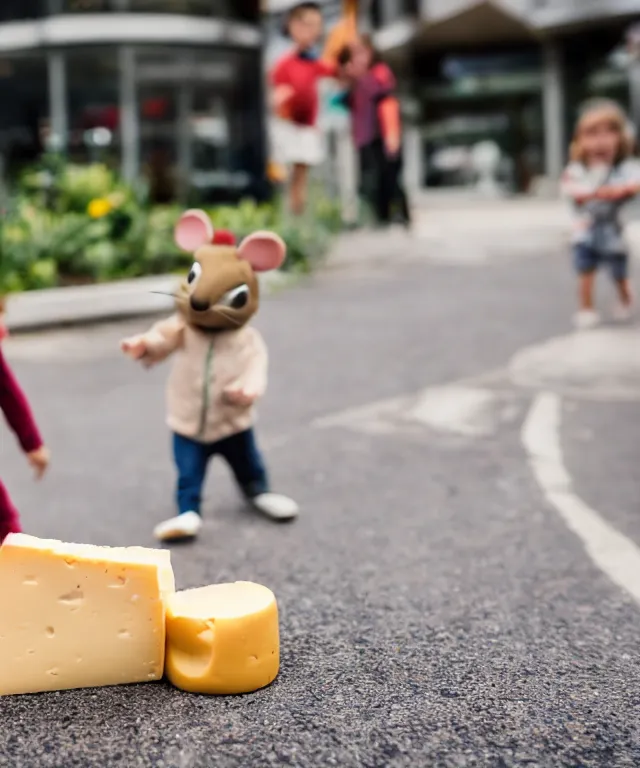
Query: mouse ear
point(193, 230)
point(263, 250)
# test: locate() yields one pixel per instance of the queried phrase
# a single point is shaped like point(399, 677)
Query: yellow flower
point(99, 208)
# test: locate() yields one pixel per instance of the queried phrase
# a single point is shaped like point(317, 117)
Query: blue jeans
point(192, 459)
point(587, 259)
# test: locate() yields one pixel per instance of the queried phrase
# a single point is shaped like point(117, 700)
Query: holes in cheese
point(80, 616)
point(223, 639)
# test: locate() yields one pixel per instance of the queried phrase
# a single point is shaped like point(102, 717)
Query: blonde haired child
point(601, 177)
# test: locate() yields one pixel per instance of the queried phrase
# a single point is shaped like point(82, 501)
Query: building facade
point(511, 72)
point(168, 89)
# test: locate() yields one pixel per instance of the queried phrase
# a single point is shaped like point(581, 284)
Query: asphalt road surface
point(461, 588)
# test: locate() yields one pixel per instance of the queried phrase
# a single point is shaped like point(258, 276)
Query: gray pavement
point(437, 611)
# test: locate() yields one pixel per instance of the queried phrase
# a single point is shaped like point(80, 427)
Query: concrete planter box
point(34, 310)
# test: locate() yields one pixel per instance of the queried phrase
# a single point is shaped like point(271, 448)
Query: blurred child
point(601, 177)
point(17, 412)
point(377, 127)
point(295, 100)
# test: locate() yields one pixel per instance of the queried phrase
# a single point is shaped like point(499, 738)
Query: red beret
point(223, 237)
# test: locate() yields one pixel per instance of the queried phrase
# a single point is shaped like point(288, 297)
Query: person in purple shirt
point(18, 414)
point(376, 127)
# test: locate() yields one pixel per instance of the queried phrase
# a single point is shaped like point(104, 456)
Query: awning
point(585, 14)
point(482, 23)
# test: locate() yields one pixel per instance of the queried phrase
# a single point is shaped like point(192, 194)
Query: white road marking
point(616, 555)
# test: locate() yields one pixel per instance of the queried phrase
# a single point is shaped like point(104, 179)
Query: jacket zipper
point(205, 390)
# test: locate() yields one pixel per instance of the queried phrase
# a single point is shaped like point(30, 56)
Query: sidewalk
point(451, 217)
point(459, 228)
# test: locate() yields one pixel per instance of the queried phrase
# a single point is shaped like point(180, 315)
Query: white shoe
point(586, 319)
point(186, 526)
point(275, 506)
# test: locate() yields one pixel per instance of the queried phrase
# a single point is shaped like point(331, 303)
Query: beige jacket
point(204, 366)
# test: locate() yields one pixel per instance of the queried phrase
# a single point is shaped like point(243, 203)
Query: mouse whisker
point(228, 317)
point(165, 293)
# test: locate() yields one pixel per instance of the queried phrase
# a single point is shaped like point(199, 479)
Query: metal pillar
point(553, 98)
point(364, 13)
point(634, 93)
point(389, 12)
point(632, 40)
point(347, 173)
point(185, 158)
point(129, 125)
point(413, 165)
point(58, 100)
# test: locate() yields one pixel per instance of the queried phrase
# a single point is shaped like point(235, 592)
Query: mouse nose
point(199, 305)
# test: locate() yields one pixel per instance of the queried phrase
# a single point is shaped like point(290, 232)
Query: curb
point(107, 302)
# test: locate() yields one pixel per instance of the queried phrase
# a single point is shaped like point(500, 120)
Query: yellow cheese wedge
point(80, 616)
point(223, 639)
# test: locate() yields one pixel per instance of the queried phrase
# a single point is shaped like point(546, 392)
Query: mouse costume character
point(219, 368)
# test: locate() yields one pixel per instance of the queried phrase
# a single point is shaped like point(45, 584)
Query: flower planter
point(67, 281)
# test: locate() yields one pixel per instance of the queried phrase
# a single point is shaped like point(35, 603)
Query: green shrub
point(67, 223)
point(248, 216)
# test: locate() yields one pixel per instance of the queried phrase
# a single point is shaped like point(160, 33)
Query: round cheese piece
point(223, 639)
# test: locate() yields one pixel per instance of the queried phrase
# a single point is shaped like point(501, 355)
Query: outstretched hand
point(281, 94)
point(134, 347)
point(614, 193)
point(39, 460)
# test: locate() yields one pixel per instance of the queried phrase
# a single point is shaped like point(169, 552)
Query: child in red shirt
point(295, 102)
point(17, 412)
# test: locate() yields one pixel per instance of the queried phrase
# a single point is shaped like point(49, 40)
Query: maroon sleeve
point(17, 410)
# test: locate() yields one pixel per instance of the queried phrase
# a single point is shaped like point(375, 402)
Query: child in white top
point(601, 177)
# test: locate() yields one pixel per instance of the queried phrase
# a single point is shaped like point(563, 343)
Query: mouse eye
point(237, 298)
point(194, 274)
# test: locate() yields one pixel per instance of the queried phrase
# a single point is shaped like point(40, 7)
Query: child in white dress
point(601, 177)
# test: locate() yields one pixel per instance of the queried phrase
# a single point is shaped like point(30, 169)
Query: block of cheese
point(223, 639)
point(80, 616)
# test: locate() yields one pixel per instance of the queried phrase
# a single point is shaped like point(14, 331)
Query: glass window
point(376, 13)
point(592, 69)
point(474, 98)
point(411, 7)
point(247, 10)
point(201, 124)
point(158, 85)
point(229, 153)
point(188, 7)
point(93, 105)
point(19, 10)
point(24, 115)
